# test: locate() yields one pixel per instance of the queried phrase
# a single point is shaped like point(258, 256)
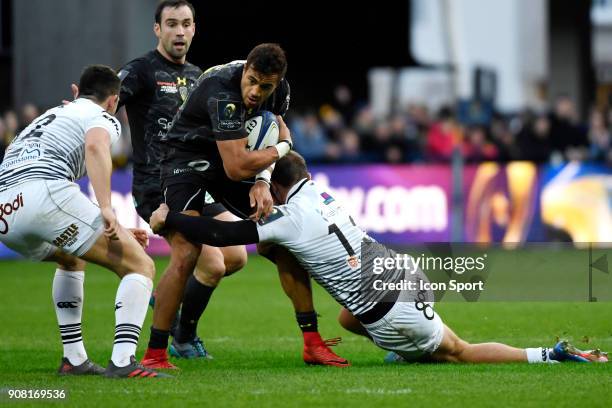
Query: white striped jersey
point(52, 147)
point(322, 236)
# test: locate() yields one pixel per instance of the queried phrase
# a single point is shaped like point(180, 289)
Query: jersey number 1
point(333, 229)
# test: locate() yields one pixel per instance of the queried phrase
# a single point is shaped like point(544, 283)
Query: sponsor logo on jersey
point(229, 115)
point(31, 151)
point(229, 111)
point(8, 209)
point(67, 237)
point(199, 165)
point(183, 91)
point(353, 262)
point(167, 87)
point(181, 171)
point(327, 199)
point(274, 215)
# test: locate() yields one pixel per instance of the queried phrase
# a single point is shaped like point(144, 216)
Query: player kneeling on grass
point(313, 226)
point(44, 216)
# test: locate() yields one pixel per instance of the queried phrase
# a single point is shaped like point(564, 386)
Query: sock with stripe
point(131, 306)
point(539, 355)
point(68, 302)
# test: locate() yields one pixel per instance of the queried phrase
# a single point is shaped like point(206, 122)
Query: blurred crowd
point(344, 132)
point(336, 134)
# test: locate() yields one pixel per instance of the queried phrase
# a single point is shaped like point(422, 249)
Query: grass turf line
point(250, 329)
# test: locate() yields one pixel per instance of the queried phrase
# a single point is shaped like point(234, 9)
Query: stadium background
point(425, 92)
point(436, 120)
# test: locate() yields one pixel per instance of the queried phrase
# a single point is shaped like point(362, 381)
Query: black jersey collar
point(167, 61)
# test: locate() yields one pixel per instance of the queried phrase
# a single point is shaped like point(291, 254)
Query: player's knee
point(148, 267)
point(458, 347)
point(140, 263)
point(184, 258)
point(235, 261)
point(71, 263)
point(452, 349)
point(211, 273)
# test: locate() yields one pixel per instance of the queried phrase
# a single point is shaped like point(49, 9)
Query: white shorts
point(38, 217)
point(408, 331)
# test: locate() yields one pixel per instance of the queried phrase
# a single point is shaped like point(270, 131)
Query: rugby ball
point(263, 131)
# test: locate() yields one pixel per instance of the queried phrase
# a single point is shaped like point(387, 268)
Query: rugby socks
point(131, 305)
point(68, 302)
point(159, 339)
point(195, 300)
point(539, 355)
point(307, 321)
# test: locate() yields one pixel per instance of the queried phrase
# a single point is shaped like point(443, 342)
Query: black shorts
point(186, 177)
point(189, 193)
point(148, 197)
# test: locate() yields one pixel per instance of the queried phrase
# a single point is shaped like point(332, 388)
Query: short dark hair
point(267, 59)
point(171, 4)
point(290, 169)
point(99, 82)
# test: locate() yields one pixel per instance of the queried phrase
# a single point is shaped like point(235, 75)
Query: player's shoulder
point(314, 201)
point(85, 107)
point(285, 218)
point(139, 61)
point(305, 189)
point(303, 197)
point(223, 74)
point(138, 65)
point(221, 82)
point(192, 69)
point(92, 113)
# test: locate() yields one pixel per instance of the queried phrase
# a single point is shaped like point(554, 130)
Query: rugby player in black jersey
point(153, 87)
point(205, 152)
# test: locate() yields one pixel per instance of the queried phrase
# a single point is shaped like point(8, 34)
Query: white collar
point(296, 188)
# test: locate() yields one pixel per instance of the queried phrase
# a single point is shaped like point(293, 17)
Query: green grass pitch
point(250, 329)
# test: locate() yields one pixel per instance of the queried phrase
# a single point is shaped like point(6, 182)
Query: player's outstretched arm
point(99, 167)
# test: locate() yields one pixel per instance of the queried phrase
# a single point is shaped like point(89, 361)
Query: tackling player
point(44, 216)
point(326, 241)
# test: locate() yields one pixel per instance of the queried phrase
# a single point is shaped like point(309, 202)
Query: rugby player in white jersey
point(322, 236)
point(45, 217)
